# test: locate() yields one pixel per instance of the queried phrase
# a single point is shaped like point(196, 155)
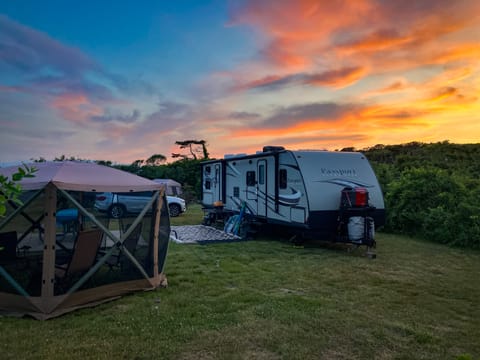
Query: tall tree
point(137, 163)
point(194, 147)
point(156, 160)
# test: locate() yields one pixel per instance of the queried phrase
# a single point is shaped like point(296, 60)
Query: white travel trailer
point(303, 190)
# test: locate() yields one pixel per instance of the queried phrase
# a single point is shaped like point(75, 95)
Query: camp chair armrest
point(63, 266)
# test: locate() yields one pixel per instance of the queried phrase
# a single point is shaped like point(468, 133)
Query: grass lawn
point(266, 299)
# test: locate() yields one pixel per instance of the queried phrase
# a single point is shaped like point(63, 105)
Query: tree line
point(431, 191)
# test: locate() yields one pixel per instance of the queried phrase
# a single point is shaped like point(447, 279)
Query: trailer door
point(262, 188)
point(218, 183)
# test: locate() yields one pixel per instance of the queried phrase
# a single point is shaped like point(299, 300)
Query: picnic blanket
point(200, 234)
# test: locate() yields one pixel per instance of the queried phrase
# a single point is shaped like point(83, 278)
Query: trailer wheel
point(297, 240)
point(207, 221)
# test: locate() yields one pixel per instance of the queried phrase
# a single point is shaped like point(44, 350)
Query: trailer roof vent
point(273, 148)
point(229, 156)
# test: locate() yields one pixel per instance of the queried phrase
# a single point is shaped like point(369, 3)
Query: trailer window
point(208, 185)
point(282, 178)
point(250, 178)
point(236, 191)
point(208, 169)
point(261, 174)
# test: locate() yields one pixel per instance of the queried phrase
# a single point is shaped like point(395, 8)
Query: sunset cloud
point(243, 115)
point(71, 82)
point(75, 107)
point(396, 86)
point(299, 73)
point(333, 78)
point(320, 112)
point(336, 78)
point(127, 118)
point(378, 35)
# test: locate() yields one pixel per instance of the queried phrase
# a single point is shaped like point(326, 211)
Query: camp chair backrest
point(85, 250)
point(8, 244)
point(130, 243)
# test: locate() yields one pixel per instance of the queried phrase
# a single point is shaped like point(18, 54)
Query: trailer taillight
point(354, 197)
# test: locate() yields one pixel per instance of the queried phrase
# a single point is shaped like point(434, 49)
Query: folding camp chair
point(130, 244)
point(10, 253)
point(84, 254)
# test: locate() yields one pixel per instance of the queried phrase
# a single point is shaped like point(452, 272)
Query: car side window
point(140, 193)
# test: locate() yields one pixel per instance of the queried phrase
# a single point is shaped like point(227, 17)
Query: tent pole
point(48, 268)
point(156, 230)
point(12, 282)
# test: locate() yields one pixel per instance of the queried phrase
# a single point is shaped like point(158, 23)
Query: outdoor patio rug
point(200, 234)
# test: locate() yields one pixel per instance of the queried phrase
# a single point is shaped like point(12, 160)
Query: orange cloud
point(444, 94)
point(337, 78)
point(378, 40)
point(300, 29)
point(265, 81)
point(307, 35)
point(357, 125)
point(284, 53)
point(75, 107)
point(393, 87)
point(457, 52)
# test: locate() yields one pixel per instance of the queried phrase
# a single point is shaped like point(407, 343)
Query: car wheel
point(174, 210)
point(116, 211)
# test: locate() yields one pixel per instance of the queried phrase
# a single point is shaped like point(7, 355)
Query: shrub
point(433, 204)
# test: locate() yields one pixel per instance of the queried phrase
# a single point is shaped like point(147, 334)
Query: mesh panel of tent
point(91, 250)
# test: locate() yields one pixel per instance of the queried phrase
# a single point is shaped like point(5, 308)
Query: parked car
point(118, 205)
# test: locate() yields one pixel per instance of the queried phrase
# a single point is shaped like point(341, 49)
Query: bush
point(431, 203)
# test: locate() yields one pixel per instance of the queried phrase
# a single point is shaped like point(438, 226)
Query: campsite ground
point(267, 299)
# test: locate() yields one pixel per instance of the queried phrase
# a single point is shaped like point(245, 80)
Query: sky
point(123, 80)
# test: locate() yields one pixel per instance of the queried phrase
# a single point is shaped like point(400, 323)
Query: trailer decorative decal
point(347, 183)
point(235, 171)
point(292, 199)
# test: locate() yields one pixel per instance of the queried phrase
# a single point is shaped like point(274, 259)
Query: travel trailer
point(322, 194)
